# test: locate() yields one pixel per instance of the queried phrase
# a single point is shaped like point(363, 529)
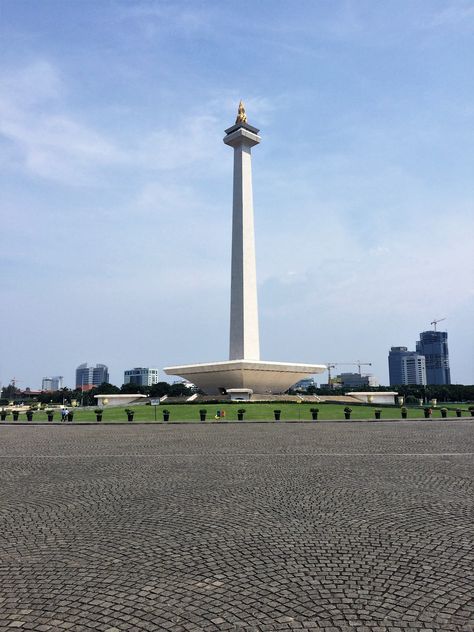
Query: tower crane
point(359, 364)
point(436, 321)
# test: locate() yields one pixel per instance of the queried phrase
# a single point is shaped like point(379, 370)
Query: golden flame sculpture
point(241, 116)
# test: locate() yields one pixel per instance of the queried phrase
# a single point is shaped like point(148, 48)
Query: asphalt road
point(361, 527)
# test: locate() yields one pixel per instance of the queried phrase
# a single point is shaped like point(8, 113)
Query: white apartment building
point(141, 376)
point(413, 366)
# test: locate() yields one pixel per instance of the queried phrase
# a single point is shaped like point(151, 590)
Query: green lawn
point(254, 412)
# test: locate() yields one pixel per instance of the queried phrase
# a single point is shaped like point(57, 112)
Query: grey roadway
point(334, 527)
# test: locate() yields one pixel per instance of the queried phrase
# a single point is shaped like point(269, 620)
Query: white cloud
point(159, 197)
point(193, 140)
point(154, 20)
point(50, 142)
point(37, 82)
point(457, 14)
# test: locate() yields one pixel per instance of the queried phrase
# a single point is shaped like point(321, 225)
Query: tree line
point(412, 392)
point(86, 398)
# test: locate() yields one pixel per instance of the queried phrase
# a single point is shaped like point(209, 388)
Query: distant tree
point(108, 389)
point(178, 390)
point(159, 389)
point(134, 388)
point(58, 397)
point(441, 392)
point(10, 392)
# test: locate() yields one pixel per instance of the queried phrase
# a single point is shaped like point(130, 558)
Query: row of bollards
point(67, 415)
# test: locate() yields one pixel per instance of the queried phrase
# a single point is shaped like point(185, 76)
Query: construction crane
point(333, 365)
point(436, 321)
point(329, 367)
point(14, 380)
point(359, 364)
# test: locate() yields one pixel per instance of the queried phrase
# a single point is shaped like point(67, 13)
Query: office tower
point(413, 369)
point(90, 377)
point(54, 383)
point(406, 367)
point(434, 346)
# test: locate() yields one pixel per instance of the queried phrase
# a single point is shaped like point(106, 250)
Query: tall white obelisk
point(244, 335)
point(244, 373)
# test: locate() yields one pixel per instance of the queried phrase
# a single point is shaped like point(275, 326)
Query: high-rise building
point(88, 377)
point(413, 369)
point(406, 367)
point(141, 376)
point(395, 364)
point(434, 346)
point(54, 383)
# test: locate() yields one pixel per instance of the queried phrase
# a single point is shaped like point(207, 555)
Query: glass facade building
point(406, 367)
point(434, 346)
point(54, 383)
point(88, 377)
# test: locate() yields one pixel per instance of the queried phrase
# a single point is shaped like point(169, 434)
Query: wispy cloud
point(166, 149)
point(53, 141)
point(50, 142)
point(153, 18)
point(457, 14)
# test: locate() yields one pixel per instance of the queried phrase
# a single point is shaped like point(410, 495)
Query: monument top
point(241, 121)
point(241, 115)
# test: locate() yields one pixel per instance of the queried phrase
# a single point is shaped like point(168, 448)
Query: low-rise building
point(141, 376)
point(356, 380)
point(303, 385)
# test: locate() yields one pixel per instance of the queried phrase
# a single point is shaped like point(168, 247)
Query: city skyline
point(110, 142)
point(405, 367)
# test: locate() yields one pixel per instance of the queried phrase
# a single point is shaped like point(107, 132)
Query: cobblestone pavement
point(338, 527)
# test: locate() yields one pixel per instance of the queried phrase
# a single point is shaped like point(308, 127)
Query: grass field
point(254, 412)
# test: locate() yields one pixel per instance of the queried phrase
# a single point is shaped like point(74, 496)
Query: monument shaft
point(244, 373)
point(244, 333)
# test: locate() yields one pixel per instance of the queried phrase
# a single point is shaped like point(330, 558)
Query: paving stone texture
point(337, 527)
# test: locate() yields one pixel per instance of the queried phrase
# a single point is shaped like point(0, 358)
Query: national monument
point(244, 372)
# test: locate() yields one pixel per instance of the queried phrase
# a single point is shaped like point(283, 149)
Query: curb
point(213, 422)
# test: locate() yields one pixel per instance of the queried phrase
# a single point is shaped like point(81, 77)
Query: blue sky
point(116, 186)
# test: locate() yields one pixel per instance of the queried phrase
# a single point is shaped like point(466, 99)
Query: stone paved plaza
point(324, 526)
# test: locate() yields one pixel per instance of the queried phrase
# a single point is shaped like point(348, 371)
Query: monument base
point(216, 378)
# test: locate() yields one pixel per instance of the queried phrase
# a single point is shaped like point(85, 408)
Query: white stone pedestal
point(215, 378)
